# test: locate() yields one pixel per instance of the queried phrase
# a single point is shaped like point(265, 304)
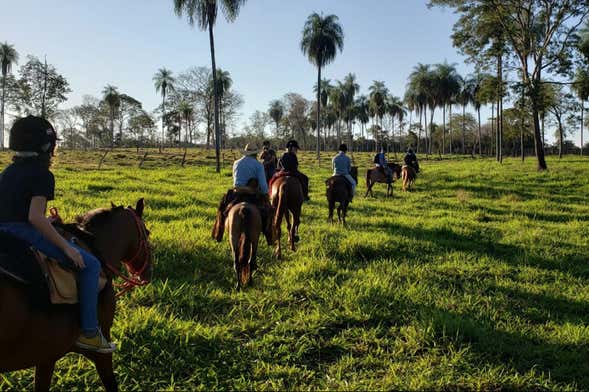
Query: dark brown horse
point(244, 225)
point(409, 175)
point(375, 175)
point(287, 198)
point(339, 191)
point(38, 337)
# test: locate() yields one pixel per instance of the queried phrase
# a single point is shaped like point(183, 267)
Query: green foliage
point(477, 280)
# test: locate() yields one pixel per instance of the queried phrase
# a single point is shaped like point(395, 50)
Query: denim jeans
point(87, 277)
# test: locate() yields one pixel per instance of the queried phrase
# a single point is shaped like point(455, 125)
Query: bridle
point(133, 277)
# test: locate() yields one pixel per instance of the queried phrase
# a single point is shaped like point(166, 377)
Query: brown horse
point(339, 191)
point(33, 336)
point(409, 175)
point(244, 225)
point(287, 198)
point(375, 175)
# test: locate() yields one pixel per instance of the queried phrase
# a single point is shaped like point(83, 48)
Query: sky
point(124, 43)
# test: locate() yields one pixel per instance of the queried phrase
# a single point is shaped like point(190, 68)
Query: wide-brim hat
point(250, 149)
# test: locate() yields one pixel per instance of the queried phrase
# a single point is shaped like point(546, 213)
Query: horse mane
point(96, 217)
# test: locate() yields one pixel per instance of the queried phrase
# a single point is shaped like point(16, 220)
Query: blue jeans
point(87, 277)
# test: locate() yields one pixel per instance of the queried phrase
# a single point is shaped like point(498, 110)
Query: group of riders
point(254, 175)
point(27, 185)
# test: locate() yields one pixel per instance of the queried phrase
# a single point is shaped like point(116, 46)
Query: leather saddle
point(25, 265)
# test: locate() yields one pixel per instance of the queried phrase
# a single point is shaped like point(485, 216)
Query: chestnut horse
point(375, 175)
point(287, 198)
point(244, 225)
point(339, 191)
point(33, 336)
point(409, 175)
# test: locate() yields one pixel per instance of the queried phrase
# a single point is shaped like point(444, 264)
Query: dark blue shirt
point(289, 162)
point(19, 183)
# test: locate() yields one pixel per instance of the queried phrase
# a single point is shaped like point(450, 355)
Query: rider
point(269, 160)
point(342, 166)
point(411, 160)
point(25, 187)
point(289, 163)
point(247, 171)
point(380, 161)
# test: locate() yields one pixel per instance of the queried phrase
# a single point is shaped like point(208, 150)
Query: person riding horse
point(410, 159)
point(269, 160)
point(289, 165)
point(380, 161)
point(25, 187)
point(342, 166)
point(249, 184)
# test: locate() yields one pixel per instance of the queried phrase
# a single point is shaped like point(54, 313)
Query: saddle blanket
point(28, 266)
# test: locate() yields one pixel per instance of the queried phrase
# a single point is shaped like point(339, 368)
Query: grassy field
point(479, 279)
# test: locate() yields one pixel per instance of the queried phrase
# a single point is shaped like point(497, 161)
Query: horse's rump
point(338, 188)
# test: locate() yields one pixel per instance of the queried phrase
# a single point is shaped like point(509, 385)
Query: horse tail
point(245, 245)
point(368, 173)
point(281, 207)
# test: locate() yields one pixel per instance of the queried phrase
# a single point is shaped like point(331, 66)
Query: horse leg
point(103, 364)
point(296, 218)
point(43, 375)
point(331, 208)
point(278, 229)
point(253, 262)
point(339, 213)
point(345, 213)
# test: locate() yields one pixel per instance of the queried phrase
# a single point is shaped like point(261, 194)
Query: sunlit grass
point(478, 279)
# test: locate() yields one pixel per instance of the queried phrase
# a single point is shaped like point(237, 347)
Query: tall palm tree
point(204, 13)
point(361, 110)
point(224, 83)
point(112, 98)
point(448, 82)
point(164, 83)
point(420, 84)
point(378, 94)
point(465, 98)
point(394, 108)
point(581, 89)
point(186, 112)
point(8, 57)
point(337, 97)
point(351, 88)
point(322, 38)
point(276, 112)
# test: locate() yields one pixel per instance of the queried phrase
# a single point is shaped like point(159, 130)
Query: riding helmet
point(34, 134)
point(293, 144)
point(343, 147)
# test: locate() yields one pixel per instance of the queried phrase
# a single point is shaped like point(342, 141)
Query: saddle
point(27, 266)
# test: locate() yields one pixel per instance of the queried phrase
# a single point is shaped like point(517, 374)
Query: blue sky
point(124, 42)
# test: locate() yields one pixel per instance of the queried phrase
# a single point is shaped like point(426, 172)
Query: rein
point(133, 279)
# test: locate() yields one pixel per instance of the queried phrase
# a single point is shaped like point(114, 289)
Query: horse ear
point(139, 207)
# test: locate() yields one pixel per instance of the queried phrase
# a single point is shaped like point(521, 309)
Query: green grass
point(478, 279)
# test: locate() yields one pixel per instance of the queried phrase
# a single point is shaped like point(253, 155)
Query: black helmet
point(409, 150)
point(293, 144)
point(343, 147)
point(266, 143)
point(33, 134)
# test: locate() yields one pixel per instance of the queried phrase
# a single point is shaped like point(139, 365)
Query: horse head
point(119, 237)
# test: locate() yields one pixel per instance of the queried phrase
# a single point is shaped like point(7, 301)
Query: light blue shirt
point(245, 169)
point(342, 164)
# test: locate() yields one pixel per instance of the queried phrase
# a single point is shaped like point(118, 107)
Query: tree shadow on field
point(561, 362)
point(483, 244)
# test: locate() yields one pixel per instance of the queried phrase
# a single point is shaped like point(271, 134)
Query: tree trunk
point(560, 137)
point(444, 129)
point(317, 153)
point(463, 130)
point(582, 112)
point(480, 138)
point(2, 112)
point(419, 133)
point(163, 118)
point(539, 148)
point(425, 130)
point(450, 129)
point(431, 130)
point(216, 103)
